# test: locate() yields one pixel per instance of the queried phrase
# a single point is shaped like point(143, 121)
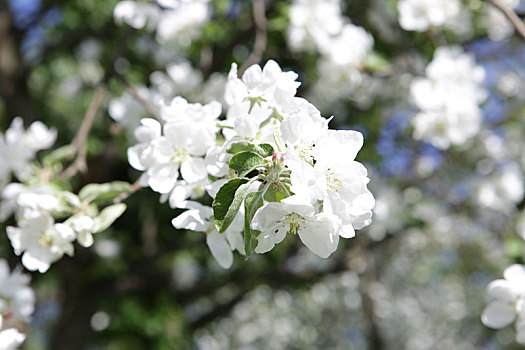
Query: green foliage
point(245, 162)
point(228, 201)
point(252, 202)
point(107, 216)
point(104, 193)
point(264, 150)
point(276, 194)
point(375, 62)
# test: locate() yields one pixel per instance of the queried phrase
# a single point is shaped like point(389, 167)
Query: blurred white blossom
point(497, 25)
point(18, 148)
point(448, 98)
point(420, 15)
point(507, 302)
point(40, 240)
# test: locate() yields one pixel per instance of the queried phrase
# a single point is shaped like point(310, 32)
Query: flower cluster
point(313, 23)
point(39, 238)
point(16, 304)
point(420, 15)
point(507, 302)
point(177, 146)
point(180, 79)
point(497, 25)
point(18, 148)
point(449, 98)
point(174, 20)
point(502, 190)
point(37, 203)
point(272, 167)
point(320, 26)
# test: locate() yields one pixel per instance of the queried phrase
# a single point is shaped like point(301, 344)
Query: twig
point(80, 141)
point(135, 187)
point(259, 18)
point(511, 16)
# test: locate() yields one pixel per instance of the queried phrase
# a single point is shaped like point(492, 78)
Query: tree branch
point(259, 18)
point(80, 141)
point(511, 16)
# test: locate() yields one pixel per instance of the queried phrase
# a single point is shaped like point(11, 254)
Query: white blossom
point(312, 22)
point(449, 98)
point(340, 183)
point(507, 301)
point(83, 226)
point(221, 245)
point(182, 22)
point(11, 338)
point(16, 196)
point(184, 159)
point(419, 15)
point(16, 297)
point(40, 240)
point(502, 190)
point(137, 14)
point(270, 84)
point(295, 215)
point(349, 48)
point(18, 148)
point(497, 25)
point(176, 21)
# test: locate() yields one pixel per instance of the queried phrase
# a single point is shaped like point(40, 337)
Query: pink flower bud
point(278, 156)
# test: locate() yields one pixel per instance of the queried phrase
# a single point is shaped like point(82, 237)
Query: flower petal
point(163, 177)
point(220, 250)
point(319, 237)
point(502, 290)
point(193, 170)
point(498, 315)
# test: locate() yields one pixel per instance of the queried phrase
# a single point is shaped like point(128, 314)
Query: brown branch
point(511, 16)
point(80, 141)
point(135, 187)
point(259, 18)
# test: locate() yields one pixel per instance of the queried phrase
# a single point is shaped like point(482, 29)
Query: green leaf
point(107, 216)
point(264, 149)
point(244, 162)
point(104, 193)
point(274, 194)
point(222, 215)
point(241, 146)
point(252, 202)
point(513, 246)
point(376, 63)
point(268, 149)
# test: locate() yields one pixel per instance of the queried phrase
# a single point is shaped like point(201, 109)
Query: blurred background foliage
point(413, 280)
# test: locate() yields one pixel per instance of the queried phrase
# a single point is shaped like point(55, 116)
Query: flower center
point(198, 191)
point(46, 239)
point(179, 155)
point(304, 149)
point(295, 223)
point(332, 182)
